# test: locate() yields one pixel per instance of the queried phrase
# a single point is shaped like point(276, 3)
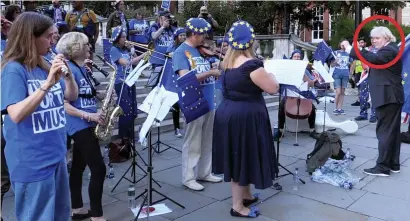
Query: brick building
point(322, 27)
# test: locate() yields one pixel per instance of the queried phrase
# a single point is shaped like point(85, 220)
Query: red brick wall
point(326, 25)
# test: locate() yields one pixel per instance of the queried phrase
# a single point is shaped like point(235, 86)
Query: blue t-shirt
point(180, 62)
point(342, 68)
point(75, 124)
point(36, 145)
point(115, 55)
point(141, 26)
point(2, 47)
point(165, 40)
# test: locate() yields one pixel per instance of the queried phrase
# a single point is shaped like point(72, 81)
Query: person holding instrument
point(33, 95)
point(179, 36)
point(197, 148)
point(121, 58)
point(82, 118)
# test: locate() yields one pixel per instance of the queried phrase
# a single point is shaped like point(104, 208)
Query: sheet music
point(135, 74)
point(318, 66)
point(288, 72)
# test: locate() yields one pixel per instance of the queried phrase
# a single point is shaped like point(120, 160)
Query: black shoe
point(357, 103)
point(313, 135)
point(405, 137)
point(395, 169)
point(376, 172)
point(247, 202)
point(77, 216)
point(252, 214)
point(360, 118)
point(373, 120)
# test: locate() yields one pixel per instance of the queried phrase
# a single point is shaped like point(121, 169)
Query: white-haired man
point(386, 88)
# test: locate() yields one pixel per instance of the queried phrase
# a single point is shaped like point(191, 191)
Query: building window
point(317, 31)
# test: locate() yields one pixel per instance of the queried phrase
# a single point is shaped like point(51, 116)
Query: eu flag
point(169, 78)
point(406, 77)
point(323, 52)
point(306, 94)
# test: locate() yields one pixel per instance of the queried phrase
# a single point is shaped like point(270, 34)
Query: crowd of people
point(48, 99)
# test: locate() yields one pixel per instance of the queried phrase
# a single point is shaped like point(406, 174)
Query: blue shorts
point(45, 200)
point(340, 81)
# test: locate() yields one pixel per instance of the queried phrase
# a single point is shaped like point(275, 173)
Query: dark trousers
point(282, 116)
point(86, 152)
point(175, 115)
point(5, 176)
point(388, 134)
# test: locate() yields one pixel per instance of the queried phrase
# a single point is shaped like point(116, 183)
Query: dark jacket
point(50, 13)
point(114, 20)
point(385, 85)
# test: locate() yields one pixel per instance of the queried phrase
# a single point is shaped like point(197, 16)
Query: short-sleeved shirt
point(165, 40)
point(181, 62)
point(85, 101)
point(115, 55)
point(342, 68)
point(71, 18)
point(141, 26)
point(37, 144)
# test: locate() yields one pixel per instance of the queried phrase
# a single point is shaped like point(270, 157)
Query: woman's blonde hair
point(232, 54)
point(383, 32)
point(21, 45)
point(72, 44)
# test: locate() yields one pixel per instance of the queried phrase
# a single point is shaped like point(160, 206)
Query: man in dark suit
point(386, 91)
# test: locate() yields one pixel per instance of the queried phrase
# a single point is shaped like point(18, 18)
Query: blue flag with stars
point(306, 94)
point(169, 78)
point(323, 52)
point(406, 76)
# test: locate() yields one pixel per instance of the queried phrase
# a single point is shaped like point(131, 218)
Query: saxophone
point(104, 132)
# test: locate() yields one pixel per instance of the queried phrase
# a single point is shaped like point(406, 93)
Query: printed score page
point(287, 71)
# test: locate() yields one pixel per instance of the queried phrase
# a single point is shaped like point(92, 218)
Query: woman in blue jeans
point(341, 77)
point(33, 95)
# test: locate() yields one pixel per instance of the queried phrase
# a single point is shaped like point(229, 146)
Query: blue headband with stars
point(179, 31)
point(198, 26)
point(117, 33)
point(241, 35)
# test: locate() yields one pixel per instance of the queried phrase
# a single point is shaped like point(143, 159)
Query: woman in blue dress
point(179, 38)
point(33, 95)
point(82, 117)
point(120, 57)
point(243, 147)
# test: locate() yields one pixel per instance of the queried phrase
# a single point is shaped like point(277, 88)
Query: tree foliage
point(344, 29)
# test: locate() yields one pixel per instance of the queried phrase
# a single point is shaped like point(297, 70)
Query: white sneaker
point(193, 185)
point(211, 178)
point(178, 133)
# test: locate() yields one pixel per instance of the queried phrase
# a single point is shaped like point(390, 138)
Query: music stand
point(158, 143)
point(132, 138)
point(148, 191)
point(277, 186)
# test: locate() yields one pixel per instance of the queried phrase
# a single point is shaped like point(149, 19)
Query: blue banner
point(166, 4)
point(405, 76)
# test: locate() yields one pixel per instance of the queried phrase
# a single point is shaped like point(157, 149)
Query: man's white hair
point(382, 32)
point(72, 44)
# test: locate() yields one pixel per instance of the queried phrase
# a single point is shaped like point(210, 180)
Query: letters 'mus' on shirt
point(84, 88)
point(202, 66)
point(50, 114)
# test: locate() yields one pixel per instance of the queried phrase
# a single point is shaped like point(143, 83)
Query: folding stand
point(148, 191)
point(132, 144)
point(159, 142)
point(277, 186)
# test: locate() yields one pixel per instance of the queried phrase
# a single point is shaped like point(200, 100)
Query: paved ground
point(373, 199)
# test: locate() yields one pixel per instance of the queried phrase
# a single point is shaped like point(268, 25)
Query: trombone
point(150, 48)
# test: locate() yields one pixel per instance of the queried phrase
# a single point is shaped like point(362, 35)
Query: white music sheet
point(136, 73)
point(287, 71)
point(157, 104)
point(318, 66)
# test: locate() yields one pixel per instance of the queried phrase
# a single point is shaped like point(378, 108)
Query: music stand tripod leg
point(150, 189)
